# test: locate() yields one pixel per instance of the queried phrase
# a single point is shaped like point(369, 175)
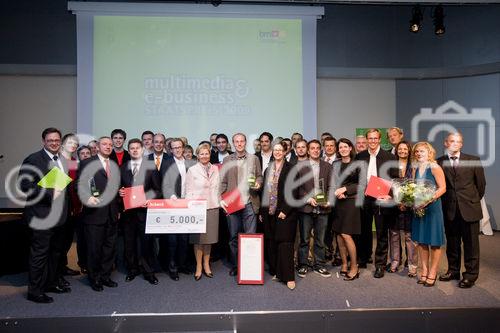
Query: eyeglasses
point(175, 148)
point(53, 141)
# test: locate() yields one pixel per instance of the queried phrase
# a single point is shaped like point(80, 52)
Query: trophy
point(93, 188)
point(320, 194)
point(251, 180)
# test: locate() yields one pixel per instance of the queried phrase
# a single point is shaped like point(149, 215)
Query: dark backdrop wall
point(38, 37)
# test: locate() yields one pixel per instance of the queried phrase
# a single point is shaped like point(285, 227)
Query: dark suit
point(383, 216)
point(175, 244)
point(47, 239)
point(259, 156)
point(279, 234)
point(100, 221)
point(465, 186)
point(313, 217)
point(214, 156)
point(139, 246)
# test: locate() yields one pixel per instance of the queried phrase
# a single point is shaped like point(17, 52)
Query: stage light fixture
point(416, 19)
point(438, 17)
point(216, 3)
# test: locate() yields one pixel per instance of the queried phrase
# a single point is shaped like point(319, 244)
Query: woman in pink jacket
point(202, 182)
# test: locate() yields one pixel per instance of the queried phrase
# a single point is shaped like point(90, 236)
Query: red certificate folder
point(233, 201)
point(134, 197)
point(377, 187)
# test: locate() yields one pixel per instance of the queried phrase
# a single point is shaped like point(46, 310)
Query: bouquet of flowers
point(413, 194)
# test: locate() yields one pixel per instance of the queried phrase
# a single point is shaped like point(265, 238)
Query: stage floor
point(222, 294)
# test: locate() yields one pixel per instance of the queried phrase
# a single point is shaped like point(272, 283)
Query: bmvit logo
point(272, 35)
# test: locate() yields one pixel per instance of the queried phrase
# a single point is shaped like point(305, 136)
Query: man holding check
point(138, 173)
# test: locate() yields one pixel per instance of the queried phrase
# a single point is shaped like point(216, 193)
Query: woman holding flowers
point(427, 224)
point(404, 218)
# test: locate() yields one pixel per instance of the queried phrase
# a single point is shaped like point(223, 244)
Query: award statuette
point(320, 196)
point(93, 188)
point(251, 181)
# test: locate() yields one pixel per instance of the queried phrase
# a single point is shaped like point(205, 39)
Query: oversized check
point(180, 216)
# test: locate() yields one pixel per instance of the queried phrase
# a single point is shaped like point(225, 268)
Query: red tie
point(108, 172)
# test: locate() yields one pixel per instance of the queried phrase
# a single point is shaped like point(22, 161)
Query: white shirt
point(103, 161)
point(372, 165)
point(330, 159)
point(455, 162)
point(58, 162)
point(266, 158)
point(222, 155)
point(135, 163)
point(158, 158)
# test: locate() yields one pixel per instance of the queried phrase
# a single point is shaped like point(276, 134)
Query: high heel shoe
point(427, 284)
point(350, 278)
point(343, 273)
point(197, 277)
point(422, 279)
point(208, 275)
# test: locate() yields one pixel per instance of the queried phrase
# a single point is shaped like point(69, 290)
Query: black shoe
point(350, 278)
point(186, 271)
point(302, 271)
point(58, 289)
point(465, 283)
point(63, 282)
point(83, 270)
point(109, 283)
point(233, 271)
point(43, 298)
point(343, 273)
point(449, 276)
point(130, 277)
point(208, 275)
point(151, 279)
point(430, 284)
point(71, 272)
point(197, 277)
point(362, 265)
point(323, 272)
point(96, 286)
point(174, 276)
point(379, 273)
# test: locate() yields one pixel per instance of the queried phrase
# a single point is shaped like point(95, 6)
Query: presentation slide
point(194, 76)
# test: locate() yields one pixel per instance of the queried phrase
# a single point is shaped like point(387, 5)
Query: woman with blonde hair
point(202, 182)
point(428, 230)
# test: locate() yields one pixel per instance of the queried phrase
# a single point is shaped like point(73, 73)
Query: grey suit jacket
point(229, 177)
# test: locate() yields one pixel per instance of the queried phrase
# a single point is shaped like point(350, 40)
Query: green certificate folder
point(55, 179)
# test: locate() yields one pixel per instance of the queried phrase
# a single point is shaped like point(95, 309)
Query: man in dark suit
point(139, 246)
point(313, 215)
point(158, 155)
point(119, 155)
point(217, 156)
point(465, 186)
point(395, 135)
point(265, 155)
point(173, 174)
point(46, 211)
point(375, 158)
point(98, 182)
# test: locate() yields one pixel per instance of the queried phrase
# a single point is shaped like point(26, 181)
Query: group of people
point(292, 190)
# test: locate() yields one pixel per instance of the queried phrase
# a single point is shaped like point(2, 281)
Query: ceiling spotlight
point(439, 20)
point(416, 19)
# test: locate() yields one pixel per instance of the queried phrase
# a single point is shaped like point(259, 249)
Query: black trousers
point(68, 231)
point(101, 250)
point(364, 241)
point(458, 231)
point(139, 247)
point(81, 244)
point(174, 249)
point(45, 251)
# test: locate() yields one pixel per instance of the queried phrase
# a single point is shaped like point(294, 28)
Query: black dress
point(346, 216)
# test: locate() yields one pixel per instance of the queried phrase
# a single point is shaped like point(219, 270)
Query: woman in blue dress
point(428, 230)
